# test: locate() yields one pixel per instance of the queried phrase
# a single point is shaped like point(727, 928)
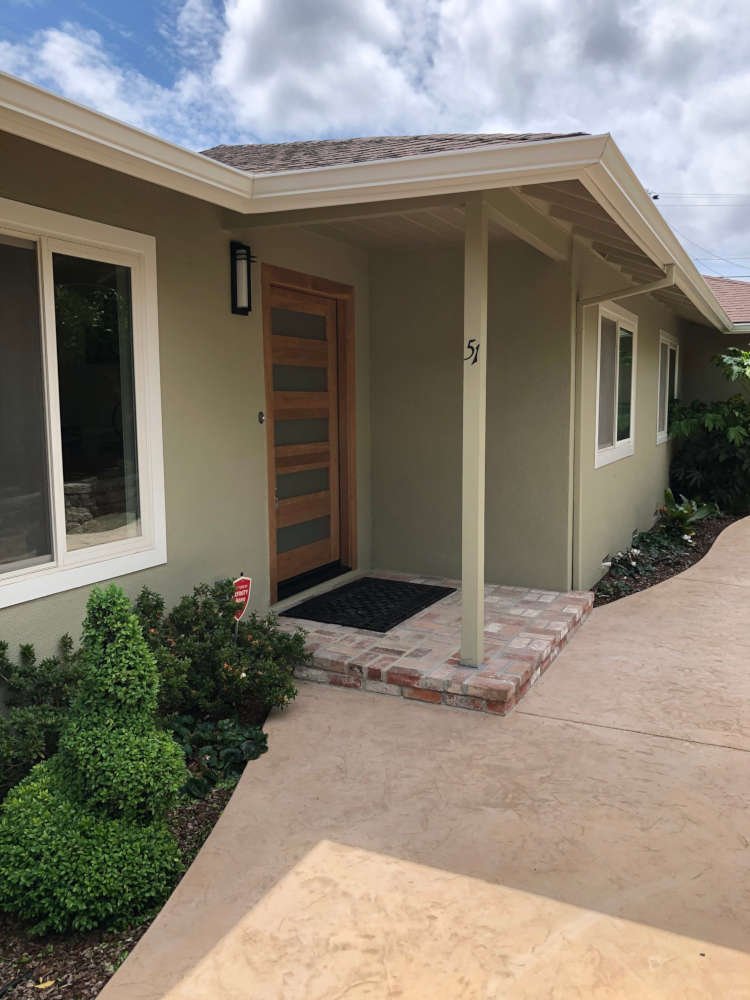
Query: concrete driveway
point(596, 843)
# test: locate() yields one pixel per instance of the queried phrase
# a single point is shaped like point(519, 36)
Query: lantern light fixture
point(240, 259)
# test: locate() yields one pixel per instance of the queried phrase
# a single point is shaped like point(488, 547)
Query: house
point(443, 354)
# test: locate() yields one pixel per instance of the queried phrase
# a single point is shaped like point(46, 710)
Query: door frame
point(343, 295)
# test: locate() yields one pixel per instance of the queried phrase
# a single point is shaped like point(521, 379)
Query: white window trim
point(626, 448)
point(54, 231)
point(662, 436)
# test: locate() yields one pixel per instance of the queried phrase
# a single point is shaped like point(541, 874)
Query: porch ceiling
point(435, 225)
point(565, 206)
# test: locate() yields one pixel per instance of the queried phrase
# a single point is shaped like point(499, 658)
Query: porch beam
point(626, 293)
point(474, 425)
point(340, 213)
point(519, 217)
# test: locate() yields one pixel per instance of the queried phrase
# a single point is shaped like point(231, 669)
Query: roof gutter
point(40, 116)
point(617, 189)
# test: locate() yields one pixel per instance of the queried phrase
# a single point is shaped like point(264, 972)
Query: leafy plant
point(681, 518)
point(39, 693)
point(83, 838)
point(213, 666)
point(661, 548)
point(712, 457)
point(216, 752)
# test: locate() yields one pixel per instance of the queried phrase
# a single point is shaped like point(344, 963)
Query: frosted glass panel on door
point(297, 484)
point(297, 535)
point(291, 323)
point(299, 378)
point(312, 431)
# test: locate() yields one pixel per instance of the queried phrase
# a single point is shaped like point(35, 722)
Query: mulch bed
point(706, 533)
point(79, 965)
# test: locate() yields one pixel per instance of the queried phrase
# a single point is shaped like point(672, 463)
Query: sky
point(670, 79)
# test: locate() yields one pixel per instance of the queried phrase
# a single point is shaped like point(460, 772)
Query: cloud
point(669, 78)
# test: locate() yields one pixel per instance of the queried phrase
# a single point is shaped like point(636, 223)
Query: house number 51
point(472, 351)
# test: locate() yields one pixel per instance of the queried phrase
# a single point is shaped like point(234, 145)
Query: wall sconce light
point(241, 259)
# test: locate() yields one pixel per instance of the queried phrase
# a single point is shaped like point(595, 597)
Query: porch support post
point(474, 421)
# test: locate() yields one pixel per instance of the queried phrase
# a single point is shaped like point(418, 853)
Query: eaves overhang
point(594, 160)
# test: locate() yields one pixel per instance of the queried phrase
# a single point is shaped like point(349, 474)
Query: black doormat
point(370, 603)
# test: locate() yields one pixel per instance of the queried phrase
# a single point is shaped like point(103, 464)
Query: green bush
point(216, 752)
point(712, 454)
point(83, 838)
point(216, 668)
point(680, 518)
point(50, 682)
point(39, 695)
point(64, 867)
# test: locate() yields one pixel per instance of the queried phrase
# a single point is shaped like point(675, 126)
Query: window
point(668, 360)
point(615, 431)
point(81, 479)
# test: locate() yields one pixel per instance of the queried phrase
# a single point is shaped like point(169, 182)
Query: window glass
point(93, 313)
point(663, 390)
point(25, 523)
point(607, 366)
point(624, 384)
point(672, 382)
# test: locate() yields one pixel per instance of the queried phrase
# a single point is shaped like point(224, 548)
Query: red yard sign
point(242, 587)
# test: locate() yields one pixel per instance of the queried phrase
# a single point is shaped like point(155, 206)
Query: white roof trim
point(36, 114)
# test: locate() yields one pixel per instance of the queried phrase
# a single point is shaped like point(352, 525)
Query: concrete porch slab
point(524, 632)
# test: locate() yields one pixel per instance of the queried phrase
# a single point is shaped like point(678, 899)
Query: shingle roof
point(733, 296)
point(278, 156)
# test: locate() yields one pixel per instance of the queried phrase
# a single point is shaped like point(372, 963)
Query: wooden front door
point(301, 340)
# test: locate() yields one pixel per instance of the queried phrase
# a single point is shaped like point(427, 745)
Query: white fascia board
point(38, 115)
point(496, 166)
point(615, 186)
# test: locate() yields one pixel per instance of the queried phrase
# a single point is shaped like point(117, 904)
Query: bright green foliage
point(734, 363)
point(216, 752)
point(217, 668)
point(681, 518)
point(64, 867)
point(39, 695)
point(83, 839)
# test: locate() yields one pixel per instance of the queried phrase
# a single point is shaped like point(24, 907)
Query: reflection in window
point(25, 528)
point(93, 311)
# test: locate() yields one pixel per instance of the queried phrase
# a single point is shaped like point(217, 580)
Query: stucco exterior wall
point(700, 378)
point(614, 500)
point(211, 371)
point(417, 337)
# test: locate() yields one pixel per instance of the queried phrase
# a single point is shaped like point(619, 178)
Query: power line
point(711, 254)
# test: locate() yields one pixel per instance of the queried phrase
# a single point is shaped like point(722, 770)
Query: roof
point(410, 168)
point(276, 157)
point(733, 295)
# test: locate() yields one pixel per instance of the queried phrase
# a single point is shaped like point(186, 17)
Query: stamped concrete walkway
point(595, 843)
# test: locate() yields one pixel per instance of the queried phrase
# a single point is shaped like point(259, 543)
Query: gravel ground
point(76, 967)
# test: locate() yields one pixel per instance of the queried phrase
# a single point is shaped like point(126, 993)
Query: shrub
point(39, 695)
point(680, 518)
point(214, 667)
point(712, 457)
point(50, 682)
point(216, 752)
point(83, 839)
